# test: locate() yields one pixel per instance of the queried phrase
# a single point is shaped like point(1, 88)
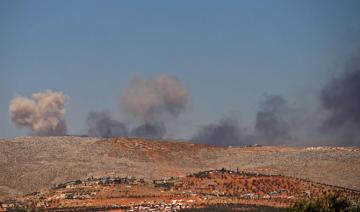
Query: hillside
point(29, 164)
point(224, 188)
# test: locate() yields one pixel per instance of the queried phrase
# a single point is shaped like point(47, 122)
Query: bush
point(306, 206)
point(331, 203)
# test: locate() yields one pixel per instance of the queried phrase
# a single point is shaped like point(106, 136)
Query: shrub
point(331, 203)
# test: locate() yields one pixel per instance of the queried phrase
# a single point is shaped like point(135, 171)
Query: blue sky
point(228, 54)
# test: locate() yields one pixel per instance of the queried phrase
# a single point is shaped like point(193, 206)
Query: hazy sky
point(228, 54)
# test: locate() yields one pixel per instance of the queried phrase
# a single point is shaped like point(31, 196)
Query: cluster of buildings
point(351, 149)
point(11, 205)
point(173, 206)
point(207, 173)
point(92, 181)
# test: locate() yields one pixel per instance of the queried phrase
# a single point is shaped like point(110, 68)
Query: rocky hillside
point(30, 164)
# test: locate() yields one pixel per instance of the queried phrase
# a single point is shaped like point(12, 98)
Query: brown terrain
point(281, 174)
point(202, 189)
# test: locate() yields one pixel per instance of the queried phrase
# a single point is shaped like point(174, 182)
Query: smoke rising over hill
point(152, 103)
point(148, 102)
point(271, 121)
point(42, 114)
point(226, 132)
point(271, 127)
point(341, 99)
point(277, 123)
point(100, 124)
point(155, 130)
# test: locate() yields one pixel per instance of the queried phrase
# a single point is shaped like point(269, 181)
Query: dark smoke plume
point(100, 124)
point(341, 99)
point(226, 132)
point(271, 125)
point(42, 114)
point(149, 130)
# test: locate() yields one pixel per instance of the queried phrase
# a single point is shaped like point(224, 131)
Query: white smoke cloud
point(42, 113)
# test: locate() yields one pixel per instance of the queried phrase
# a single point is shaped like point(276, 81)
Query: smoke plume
point(42, 114)
point(226, 132)
point(271, 125)
point(149, 103)
point(101, 125)
point(154, 130)
point(341, 99)
point(148, 100)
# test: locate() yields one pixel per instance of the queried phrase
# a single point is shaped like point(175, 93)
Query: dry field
point(29, 164)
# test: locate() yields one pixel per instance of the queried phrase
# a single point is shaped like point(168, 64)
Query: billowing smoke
point(148, 100)
point(226, 132)
point(341, 99)
point(272, 126)
point(100, 124)
point(150, 103)
point(154, 130)
point(42, 114)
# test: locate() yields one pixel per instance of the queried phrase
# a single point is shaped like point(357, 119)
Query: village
point(196, 190)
